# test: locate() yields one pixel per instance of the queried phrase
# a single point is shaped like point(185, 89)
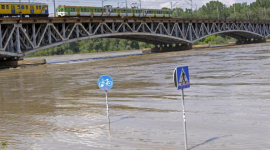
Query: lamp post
point(54, 8)
point(20, 9)
point(217, 13)
point(234, 12)
point(191, 5)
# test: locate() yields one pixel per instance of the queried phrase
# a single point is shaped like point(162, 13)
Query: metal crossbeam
point(20, 38)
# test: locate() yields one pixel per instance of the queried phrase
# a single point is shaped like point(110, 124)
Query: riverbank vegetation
point(105, 44)
point(259, 10)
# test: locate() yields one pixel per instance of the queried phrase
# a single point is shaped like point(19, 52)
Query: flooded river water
point(59, 106)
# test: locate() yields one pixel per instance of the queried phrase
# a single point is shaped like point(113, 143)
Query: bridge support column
point(34, 34)
point(1, 39)
point(64, 30)
point(172, 47)
point(18, 43)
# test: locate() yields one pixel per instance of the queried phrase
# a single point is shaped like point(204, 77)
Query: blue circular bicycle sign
point(105, 82)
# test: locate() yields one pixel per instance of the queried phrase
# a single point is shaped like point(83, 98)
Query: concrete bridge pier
point(8, 62)
point(249, 41)
point(171, 47)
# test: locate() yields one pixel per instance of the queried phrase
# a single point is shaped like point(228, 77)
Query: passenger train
point(26, 9)
point(42, 10)
point(107, 11)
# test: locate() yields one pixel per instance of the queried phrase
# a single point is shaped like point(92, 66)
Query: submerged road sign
point(181, 81)
point(181, 77)
point(105, 82)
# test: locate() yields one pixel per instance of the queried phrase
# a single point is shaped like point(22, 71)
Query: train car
point(107, 11)
point(26, 9)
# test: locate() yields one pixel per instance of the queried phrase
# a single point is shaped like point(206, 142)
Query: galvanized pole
point(184, 122)
point(54, 8)
point(107, 106)
point(20, 10)
point(217, 12)
point(234, 12)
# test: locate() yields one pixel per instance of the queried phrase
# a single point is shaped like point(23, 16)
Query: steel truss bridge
point(23, 36)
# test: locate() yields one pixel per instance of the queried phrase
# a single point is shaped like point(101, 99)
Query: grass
point(4, 143)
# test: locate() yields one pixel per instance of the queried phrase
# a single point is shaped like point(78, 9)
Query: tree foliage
point(92, 45)
point(258, 10)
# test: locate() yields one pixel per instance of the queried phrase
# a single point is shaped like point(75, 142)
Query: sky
point(153, 4)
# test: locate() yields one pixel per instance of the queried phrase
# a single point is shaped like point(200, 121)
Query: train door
point(12, 9)
point(69, 9)
point(78, 11)
point(32, 9)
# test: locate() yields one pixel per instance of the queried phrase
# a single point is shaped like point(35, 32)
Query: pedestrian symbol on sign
point(181, 78)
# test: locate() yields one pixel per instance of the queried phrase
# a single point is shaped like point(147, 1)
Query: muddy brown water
point(59, 106)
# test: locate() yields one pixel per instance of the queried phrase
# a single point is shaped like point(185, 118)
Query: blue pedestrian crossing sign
point(105, 82)
point(181, 77)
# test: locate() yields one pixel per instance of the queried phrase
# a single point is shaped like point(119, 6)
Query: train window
point(22, 6)
point(26, 7)
point(62, 9)
point(18, 6)
point(7, 6)
point(2, 6)
point(39, 7)
point(36, 7)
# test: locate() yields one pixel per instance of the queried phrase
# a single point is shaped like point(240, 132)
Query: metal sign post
point(184, 118)
point(107, 105)
point(181, 81)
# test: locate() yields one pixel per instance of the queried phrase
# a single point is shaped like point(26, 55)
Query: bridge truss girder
point(18, 39)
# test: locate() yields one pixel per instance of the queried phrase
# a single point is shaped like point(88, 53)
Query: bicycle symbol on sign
point(105, 82)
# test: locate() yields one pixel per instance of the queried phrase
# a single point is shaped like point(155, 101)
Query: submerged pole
point(184, 118)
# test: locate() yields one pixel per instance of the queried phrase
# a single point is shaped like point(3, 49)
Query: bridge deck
point(23, 36)
point(109, 19)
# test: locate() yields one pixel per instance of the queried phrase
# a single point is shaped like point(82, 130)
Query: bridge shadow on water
point(207, 141)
